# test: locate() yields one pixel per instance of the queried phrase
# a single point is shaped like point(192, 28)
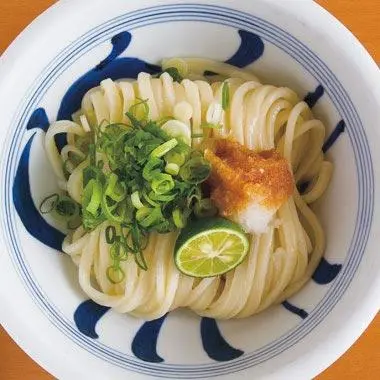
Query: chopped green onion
point(62, 208)
point(142, 213)
point(140, 110)
point(135, 198)
point(118, 252)
point(91, 172)
point(195, 171)
point(176, 157)
point(156, 131)
point(194, 196)
point(179, 130)
point(147, 217)
point(140, 177)
point(205, 208)
point(225, 96)
point(116, 212)
point(163, 120)
point(92, 154)
point(115, 275)
point(140, 260)
point(212, 126)
point(48, 204)
point(178, 218)
point(149, 199)
point(162, 197)
point(66, 207)
point(100, 164)
point(115, 190)
point(164, 148)
point(151, 168)
point(174, 73)
point(92, 196)
point(172, 169)
point(135, 241)
point(196, 135)
point(137, 238)
point(111, 234)
point(162, 183)
point(126, 240)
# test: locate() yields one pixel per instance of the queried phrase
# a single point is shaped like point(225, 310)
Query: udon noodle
point(261, 117)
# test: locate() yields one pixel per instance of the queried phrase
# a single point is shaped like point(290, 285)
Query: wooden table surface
point(362, 361)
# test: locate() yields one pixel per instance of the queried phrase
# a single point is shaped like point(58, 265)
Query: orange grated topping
point(241, 176)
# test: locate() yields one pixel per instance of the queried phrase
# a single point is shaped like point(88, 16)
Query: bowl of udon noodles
point(188, 189)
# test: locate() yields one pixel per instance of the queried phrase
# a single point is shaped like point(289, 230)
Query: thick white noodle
point(280, 260)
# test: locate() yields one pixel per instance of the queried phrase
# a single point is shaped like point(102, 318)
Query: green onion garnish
point(163, 120)
point(172, 169)
point(162, 197)
point(115, 190)
point(195, 171)
point(196, 135)
point(140, 110)
point(152, 167)
point(164, 148)
point(205, 208)
point(162, 183)
point(115, 212)
point(48, 204)
point(149, 200)
point(174, 73)
point(177, 155)
point(66, 207)
point(118, 252)
point(111, 234)
point(212, 126)
point(138, 180)
point(115, 274)
point(147, 217)
point(178, 218)
point(225, 96)
point(92, 197)
point(135, 198)
point(62, 208)
point(140, 260)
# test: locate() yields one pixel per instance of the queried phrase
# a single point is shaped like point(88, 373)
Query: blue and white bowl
point(68, 50)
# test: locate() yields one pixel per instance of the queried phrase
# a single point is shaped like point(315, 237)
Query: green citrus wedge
point(210, 247)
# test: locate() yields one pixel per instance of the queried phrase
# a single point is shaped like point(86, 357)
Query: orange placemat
point(362, 361)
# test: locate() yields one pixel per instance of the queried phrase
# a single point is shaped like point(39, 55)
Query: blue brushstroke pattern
point(250, 50)
point(326, 272)
point(120, 43)
point(295, 310)
point(111, 67)
point(38, 119)
point(331, 140)
point(144, 345)
point(312, 97)
point(87, 315)
point(214, 344)
point(23, 201)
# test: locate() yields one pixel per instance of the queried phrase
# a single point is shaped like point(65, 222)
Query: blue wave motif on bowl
point(88, 313)
point(34, 223)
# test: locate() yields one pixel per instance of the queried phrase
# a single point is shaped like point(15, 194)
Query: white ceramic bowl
point(290, 43)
